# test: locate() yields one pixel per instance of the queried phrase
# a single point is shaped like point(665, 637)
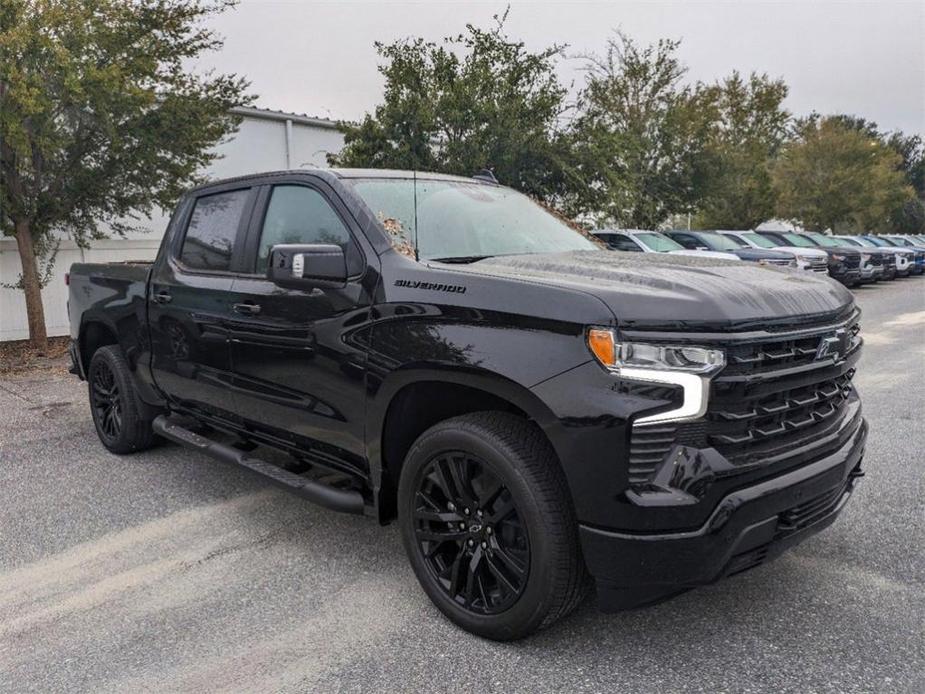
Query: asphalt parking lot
point(165, 571)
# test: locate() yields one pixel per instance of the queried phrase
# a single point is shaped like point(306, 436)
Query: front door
point(298, 357)
point(190, 302)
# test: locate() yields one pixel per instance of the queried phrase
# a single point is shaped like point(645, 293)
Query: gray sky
point(865, 58)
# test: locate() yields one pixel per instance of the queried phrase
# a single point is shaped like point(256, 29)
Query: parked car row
point(852, 260)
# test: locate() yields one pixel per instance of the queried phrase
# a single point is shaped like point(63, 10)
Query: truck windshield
point(717, 242)
point(797, 240)
point(458, 221)
point(659, 242)
point(737, 241)
point(850, 242)
point(823, 240)
point(759, 240)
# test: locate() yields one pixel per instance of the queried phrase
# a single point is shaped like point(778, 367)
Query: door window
point(212, 229)
point(297, 214)
point(687, 241)
point(623, 243)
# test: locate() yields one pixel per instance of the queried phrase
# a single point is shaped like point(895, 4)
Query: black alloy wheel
point(470, 534)
point(487, 522)
point(106, 400)
point(122, 422)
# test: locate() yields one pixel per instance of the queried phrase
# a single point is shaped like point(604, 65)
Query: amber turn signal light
point(602, 345)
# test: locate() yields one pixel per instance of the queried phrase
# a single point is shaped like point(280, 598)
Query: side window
point(623, 243)
point(297, 214)
point(212, 229)
point(686, 241)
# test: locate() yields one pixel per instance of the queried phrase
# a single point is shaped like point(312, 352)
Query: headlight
point(840, 258)
point(687, 366)
point(805, 258)
point(865, 257)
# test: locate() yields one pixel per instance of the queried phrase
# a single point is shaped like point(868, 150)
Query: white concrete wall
point(259, 145)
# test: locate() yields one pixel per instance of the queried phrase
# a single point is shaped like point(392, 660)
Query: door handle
point(162, 298)
point(247, 309)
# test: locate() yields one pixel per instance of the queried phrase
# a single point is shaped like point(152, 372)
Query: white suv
point(812, 259)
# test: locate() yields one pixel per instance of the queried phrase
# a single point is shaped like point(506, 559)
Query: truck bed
point(112, 290)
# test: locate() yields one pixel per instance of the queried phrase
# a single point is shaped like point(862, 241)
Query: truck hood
point(808, 252)
point(706, 254)
point(655, 289)
point(761, 254)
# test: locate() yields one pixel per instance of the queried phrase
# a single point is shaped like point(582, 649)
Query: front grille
point(853, 261)
point(876, 260)
point(773, 396)
point(819, 265)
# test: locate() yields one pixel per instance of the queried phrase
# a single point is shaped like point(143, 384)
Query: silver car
point(641, 240)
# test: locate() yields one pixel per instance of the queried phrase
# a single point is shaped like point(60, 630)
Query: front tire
point(117, 414)
point(487, 523)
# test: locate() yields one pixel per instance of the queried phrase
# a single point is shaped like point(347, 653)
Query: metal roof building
point(266, 140)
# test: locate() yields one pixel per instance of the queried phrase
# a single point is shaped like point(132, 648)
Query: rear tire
point(487, 523)
point(117, 413)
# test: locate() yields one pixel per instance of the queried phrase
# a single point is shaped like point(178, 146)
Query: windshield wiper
point(461, 259)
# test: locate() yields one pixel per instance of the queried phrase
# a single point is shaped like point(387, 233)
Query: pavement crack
point(260, 542)
point(15, 394)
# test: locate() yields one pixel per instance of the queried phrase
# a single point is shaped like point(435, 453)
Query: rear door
point(191, 303)
point(299, 357)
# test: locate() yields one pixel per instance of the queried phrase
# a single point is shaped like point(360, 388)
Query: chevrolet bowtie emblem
point(832, 346)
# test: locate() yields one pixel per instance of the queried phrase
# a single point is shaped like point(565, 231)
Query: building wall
point(259, 145)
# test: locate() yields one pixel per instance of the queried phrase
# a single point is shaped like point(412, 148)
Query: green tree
point(909, 218)
point(639, 136)
point(750, 127)
point(835, 176)
point(475, 100)
point(101, 120)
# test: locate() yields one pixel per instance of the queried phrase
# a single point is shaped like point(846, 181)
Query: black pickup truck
point(538, 414)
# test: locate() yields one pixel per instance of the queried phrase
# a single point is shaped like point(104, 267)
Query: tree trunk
point(32, 287)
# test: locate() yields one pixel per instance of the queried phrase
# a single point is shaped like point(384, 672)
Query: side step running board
point(346, 501)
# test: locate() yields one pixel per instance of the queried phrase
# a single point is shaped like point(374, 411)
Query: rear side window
point(212, 229)
point(623, 243)
point(297, 214)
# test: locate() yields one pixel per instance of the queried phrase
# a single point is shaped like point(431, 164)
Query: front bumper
point(847, 276)
point(871, 273)
point(748, 527)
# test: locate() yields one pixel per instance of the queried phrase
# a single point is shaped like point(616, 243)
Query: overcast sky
point(862, 58)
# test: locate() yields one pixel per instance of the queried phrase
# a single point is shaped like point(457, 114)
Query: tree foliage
point(477, 100)
point(909, 218)
point(833, 175)
point(749, 128)
point(101, 119)
point(639, 137)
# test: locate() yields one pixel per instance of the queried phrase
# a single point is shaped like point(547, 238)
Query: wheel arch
point(413, 400)
point(94, 333)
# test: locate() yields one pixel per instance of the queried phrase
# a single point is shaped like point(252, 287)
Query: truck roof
point(348, 173)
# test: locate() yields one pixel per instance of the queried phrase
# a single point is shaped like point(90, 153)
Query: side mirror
point(299, 266)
